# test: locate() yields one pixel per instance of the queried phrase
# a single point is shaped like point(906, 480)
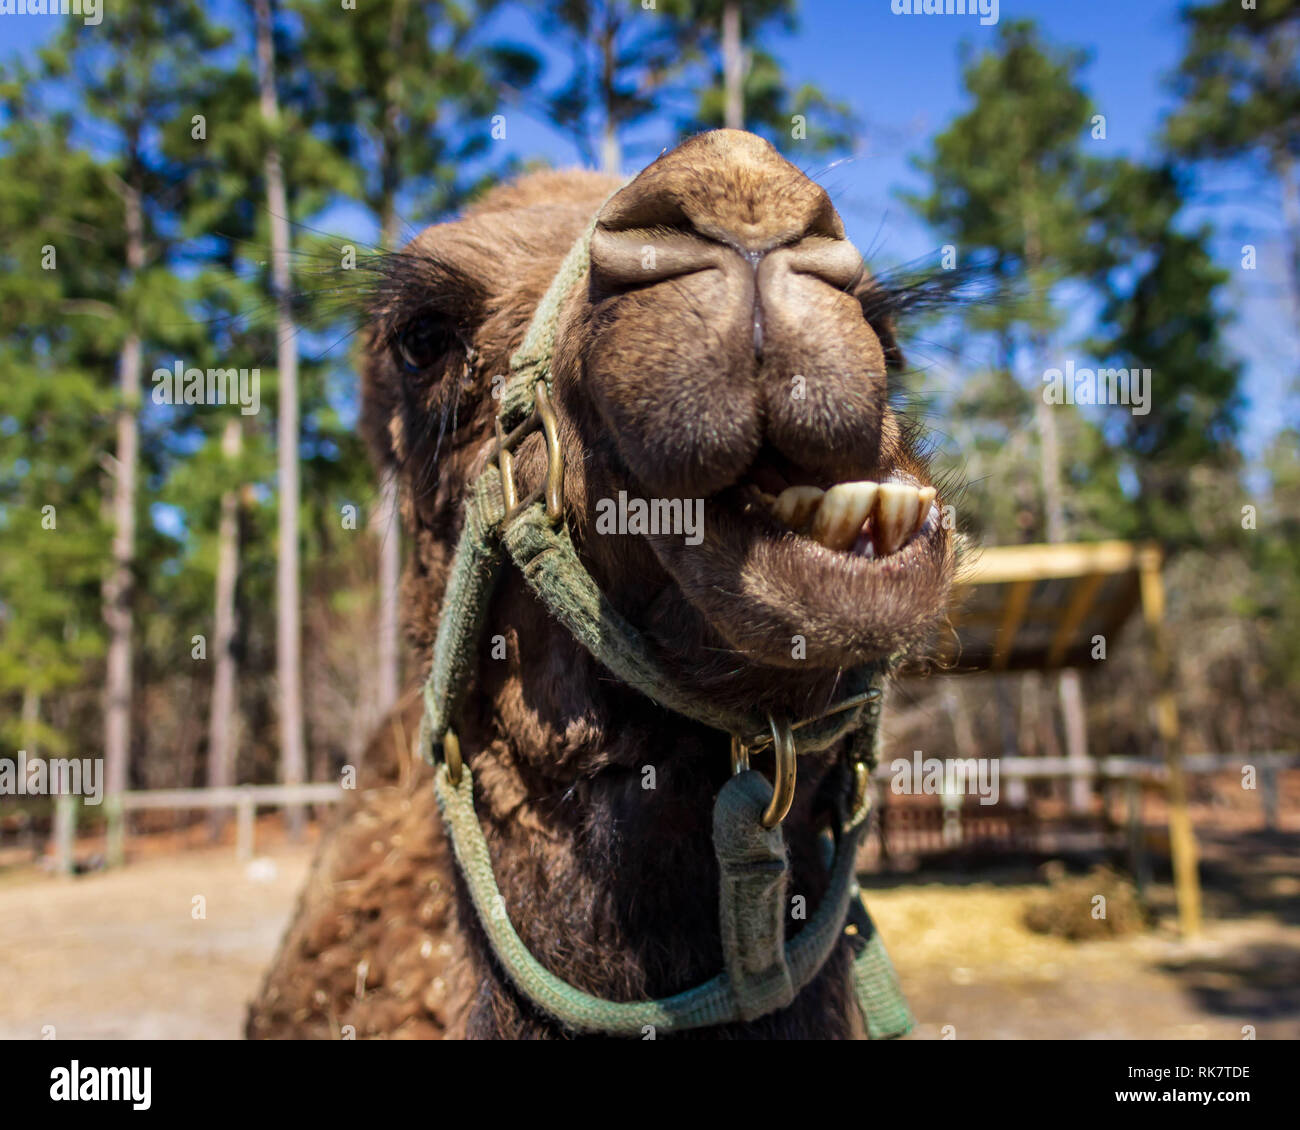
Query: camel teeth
point(843, 512)
point(796, 505)
point(895, 517)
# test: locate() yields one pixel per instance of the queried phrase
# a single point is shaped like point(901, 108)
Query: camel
point(709, 338)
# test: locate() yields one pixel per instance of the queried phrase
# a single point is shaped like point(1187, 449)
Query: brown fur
point(671, 378)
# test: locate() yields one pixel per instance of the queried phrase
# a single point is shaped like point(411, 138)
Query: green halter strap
point(763, 971)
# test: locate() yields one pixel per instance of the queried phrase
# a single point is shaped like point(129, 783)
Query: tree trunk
point(223, 719)
point(388, 527)
point(30, 741)
point(1050, 469)
point(118, 586)
point(611, 152)
point(31, 714)
point(963, 733)
point(293, 756)
point(1070, 686)
point(1076, 740)
point(733, 66)
point(1015, 791)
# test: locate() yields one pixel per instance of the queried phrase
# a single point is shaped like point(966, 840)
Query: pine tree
point(60, 255)
point(1009, 185)
point(746, 88)
point(1240, 88)
point(408, 97)
point(1166, 320)
point(293, 747)
point(626, 60)
point(134, 75)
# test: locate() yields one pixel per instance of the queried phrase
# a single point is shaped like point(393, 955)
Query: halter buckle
point(552, 489)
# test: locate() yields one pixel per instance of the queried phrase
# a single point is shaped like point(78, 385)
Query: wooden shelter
point(1041, 607)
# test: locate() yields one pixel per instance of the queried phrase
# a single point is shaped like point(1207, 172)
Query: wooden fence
point(951, 826)
point(999, 825)
point(244, 799)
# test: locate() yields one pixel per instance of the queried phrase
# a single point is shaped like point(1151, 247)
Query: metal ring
point(506, 465)
point(451, 756)
point(861, 795)
point(554, 456)
point(783, 754)
point(783, 761)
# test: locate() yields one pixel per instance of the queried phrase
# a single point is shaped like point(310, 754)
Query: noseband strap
point(763, 971)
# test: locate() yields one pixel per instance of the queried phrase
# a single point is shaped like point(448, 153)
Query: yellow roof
point(1021, 607)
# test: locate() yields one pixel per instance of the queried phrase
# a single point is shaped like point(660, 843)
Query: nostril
point(836, 262)
point(624, 259)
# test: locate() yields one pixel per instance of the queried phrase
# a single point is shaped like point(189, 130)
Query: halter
point(763, 972)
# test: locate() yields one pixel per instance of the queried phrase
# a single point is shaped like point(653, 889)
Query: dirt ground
point(124, 955)
point(132, 954)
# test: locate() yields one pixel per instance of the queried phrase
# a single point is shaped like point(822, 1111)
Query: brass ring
point(784, 766)
point(506, 464)
point(554, 456)
point(451, 756)
point(783, 755)
point(861, 795)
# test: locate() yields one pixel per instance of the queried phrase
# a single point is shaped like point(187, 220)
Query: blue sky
point(901, 76)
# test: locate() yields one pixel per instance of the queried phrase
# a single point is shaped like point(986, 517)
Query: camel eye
point(421, 342)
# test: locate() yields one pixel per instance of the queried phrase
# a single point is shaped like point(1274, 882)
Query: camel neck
point(596, 806)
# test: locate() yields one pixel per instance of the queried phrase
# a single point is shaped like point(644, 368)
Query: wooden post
point(115, 830)
point(952, 832)
point(1268, 794)
point(245, 812)
point(65, 832)
point(1182, 839)
point(1136, 853)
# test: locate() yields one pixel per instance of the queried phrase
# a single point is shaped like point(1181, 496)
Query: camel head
point(727, 354)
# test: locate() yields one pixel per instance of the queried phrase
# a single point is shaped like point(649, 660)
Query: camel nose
point(726, 201)
point(730, 187)
point(753, 220)
point(654, 236)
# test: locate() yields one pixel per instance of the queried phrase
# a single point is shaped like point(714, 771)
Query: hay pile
point(1100, 904)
